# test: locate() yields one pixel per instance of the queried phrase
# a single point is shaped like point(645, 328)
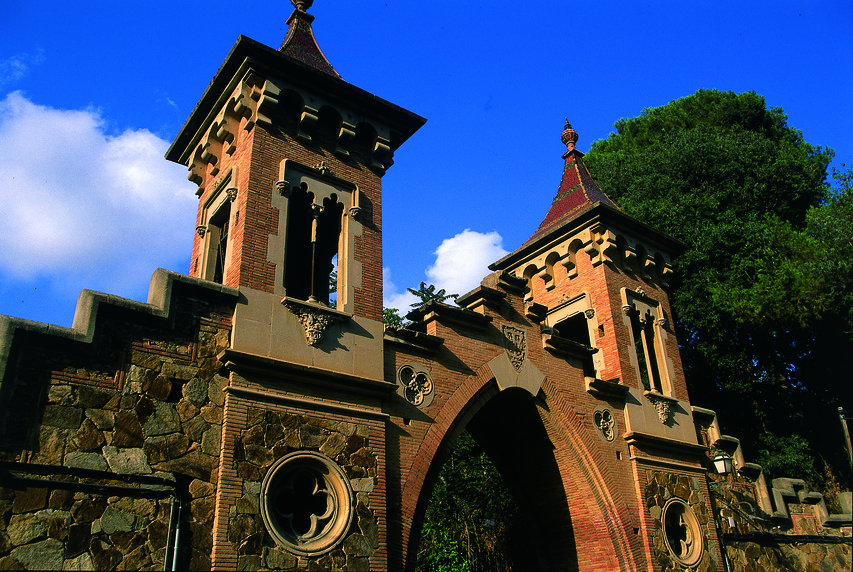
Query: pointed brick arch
point(587, 491)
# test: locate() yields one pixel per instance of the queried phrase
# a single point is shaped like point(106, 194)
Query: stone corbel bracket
point(663, 404)
point(602, 249)
point(482, 295)
point(314, 318)
point(606, 388)
point(383, 156)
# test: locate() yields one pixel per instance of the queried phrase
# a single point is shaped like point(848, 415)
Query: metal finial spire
point(302, 5)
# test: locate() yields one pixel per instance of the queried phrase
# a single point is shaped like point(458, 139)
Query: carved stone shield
point(515, 345)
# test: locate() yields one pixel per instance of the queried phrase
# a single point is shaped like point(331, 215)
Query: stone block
point(44, 555)
point(114, 520)
point(80, 460)
point(24, 528)
point(128, 430)
point(164, 420)
point(62, 417)
point(127, 461)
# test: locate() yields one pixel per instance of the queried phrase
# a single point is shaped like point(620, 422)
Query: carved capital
point(201, 230)
point(662, 322)
point(354, 212)
point(317, 210)
point(232, 193)
point(589, 313)
point(627, 309)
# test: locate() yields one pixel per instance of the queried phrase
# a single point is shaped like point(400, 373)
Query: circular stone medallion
point(306, 503)
point(682, 532)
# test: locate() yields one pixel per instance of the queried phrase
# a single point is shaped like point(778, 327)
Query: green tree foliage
point(762, 294)
point(470, 516)
point(427, 293)
point(392, 317)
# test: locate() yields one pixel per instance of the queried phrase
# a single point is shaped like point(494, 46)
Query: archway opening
point(497, 501)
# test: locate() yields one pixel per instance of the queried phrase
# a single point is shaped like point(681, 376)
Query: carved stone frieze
point(323, 168)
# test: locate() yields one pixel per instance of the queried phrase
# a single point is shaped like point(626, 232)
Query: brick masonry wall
point(597, 482)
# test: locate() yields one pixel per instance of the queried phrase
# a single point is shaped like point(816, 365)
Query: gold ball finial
point(569, 136)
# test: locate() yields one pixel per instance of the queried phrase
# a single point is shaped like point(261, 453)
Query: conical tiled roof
point(299, 43)
point(577, 191)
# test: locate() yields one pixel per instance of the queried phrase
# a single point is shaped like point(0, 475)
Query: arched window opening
point(313, 241)
point(219, 229)
point(644, 346)
point(576, 329)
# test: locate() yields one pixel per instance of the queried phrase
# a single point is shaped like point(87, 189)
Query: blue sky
point(92, 93)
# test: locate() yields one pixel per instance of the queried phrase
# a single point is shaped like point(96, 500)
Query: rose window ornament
point(416, 385)
point(306, 503)
point(682, 532)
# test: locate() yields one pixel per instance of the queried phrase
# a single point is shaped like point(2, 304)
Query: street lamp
point(723, 463)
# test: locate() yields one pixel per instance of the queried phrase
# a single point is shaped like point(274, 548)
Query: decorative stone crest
point(589, 313)
point(321, 166)
point(201, 230)
point(605, 423)
point(416, 384)
point(315, 321)
point(515, 344)
point(663, 405)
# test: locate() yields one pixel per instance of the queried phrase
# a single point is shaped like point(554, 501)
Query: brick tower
point(288, 159)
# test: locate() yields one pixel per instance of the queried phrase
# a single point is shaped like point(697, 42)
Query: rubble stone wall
point(143, 398)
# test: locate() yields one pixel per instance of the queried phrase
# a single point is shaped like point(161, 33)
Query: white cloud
point(15, 67)
point(392, 298)
point(463, 261)
point(78, 203)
